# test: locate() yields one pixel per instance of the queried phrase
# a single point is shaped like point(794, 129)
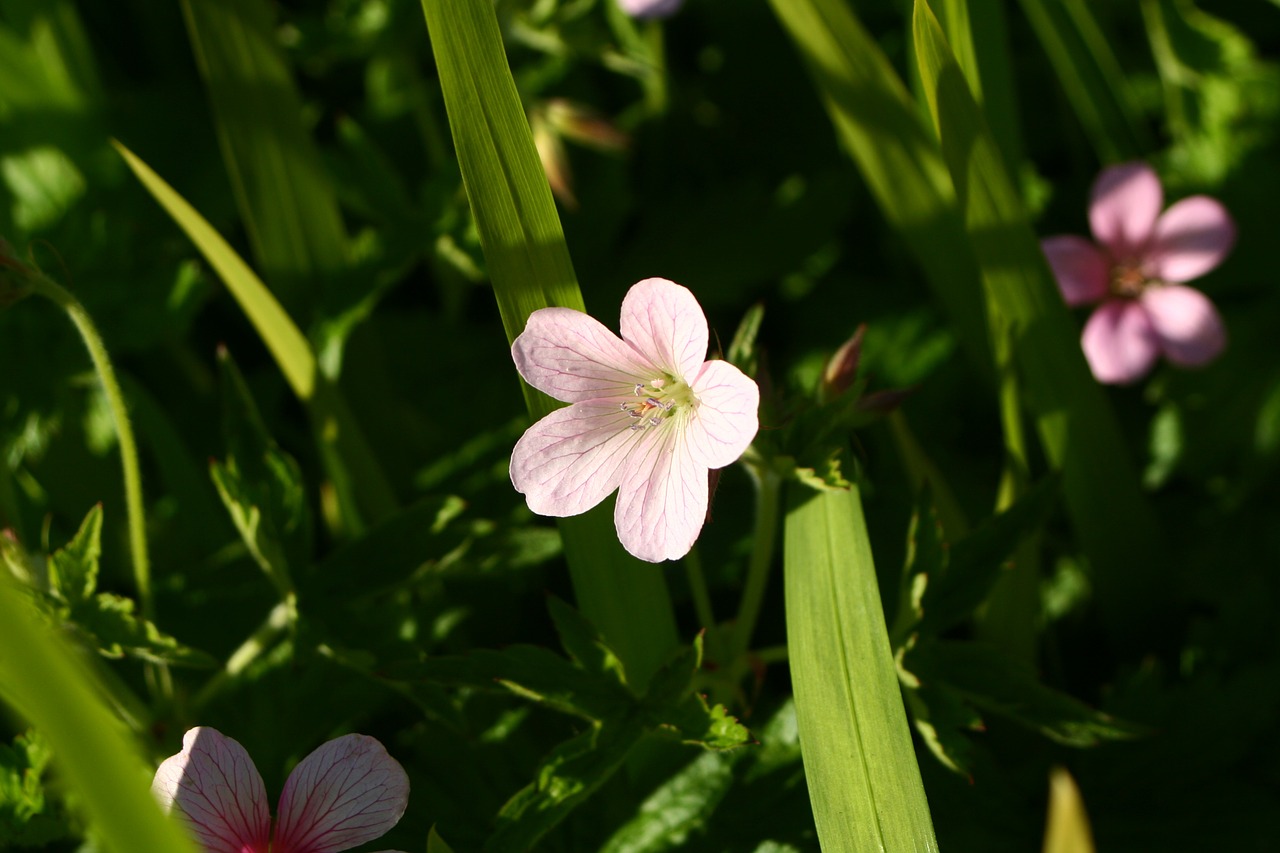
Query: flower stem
point(768, 488)
point(59, 295)
point(281, 618)
point(698, 588)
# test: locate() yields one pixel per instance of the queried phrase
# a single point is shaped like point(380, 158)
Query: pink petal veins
point(346, 792)
point(1081, 270)
point(662, 501)
point(1125, 202)
point(1191, 238)
point(664, 321)
point(1187, 325)
point(725, 421)
point(571, 356)
point(213, 784)
point(1119, 342)
point(573, 458)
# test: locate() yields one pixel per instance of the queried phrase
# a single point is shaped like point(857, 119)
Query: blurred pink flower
point(650, 8)
point(1136, 270)
point(649, 417)
point(346, 792)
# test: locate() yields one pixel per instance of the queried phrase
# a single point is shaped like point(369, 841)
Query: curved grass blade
point(289, 207)
point(529, 264)
point(46, 685)
point(860, 765)
point(879, 124)
point(1077, 427)
point(348, 459)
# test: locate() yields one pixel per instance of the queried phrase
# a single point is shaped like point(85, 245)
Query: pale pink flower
point(346, 792)
point(1136, 270)
point(650, 8)
point(650, 417)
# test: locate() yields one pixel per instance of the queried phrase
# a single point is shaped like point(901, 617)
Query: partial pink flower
point(346, 792)
point(650, 8)
point(650, 417)
point(1136, 268)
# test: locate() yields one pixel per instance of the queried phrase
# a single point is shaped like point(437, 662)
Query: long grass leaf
point(860, 765)
point(529, 264)
point(289, 207)
point(343, 447)
point(41, 679)
point(1077, 427)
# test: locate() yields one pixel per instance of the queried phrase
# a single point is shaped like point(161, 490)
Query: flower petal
point(664, 321)
point(573, 357)
point(213, 784)
point(662, 501)
point(1191, 238)
point(725, 422)
point(573, 458)
point(1080, 268)
point(1122, 213)
point(650, 8)
point(1119, 342)
point(347, 792)
point(1188, 326)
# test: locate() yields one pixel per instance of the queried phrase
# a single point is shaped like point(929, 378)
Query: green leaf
point(742, 349)
point(27, 818)
point(1077, 427)
point(1068, 824)
point(344, 451)
point(73, 568)
point(994, 682)
point(244, 502)
point(529, 264)
point(583, 642)
point(860, 765)
point(1094, 82)
point(436, 844)
point(879, 125)
point(289, 208)
point(941, 717)
point(118, 631)
point(95, 757)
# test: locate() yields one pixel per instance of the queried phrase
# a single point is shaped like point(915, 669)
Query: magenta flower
point(649, 417)
point(1136, 271)
point(347, 792)
point(650, 8)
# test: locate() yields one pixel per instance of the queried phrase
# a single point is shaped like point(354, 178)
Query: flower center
point(1128, 280)
point(657, 400)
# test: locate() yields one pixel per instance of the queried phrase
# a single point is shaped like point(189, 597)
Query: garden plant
point(639, 426)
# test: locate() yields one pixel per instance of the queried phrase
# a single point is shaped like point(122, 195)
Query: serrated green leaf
point(860, 764)
point(941, 717)
point(27, 818)
point(118, 631)
point(73, 568)
point(244, 503)
point(94, 756)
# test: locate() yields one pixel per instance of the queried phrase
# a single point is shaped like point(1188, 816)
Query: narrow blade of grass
point(289, 208)
point(346, 454)
point(529, 264)
point(44, 683)
point(880, 126)
point(1090, 75)
point(860, 765)
point(1077, 427)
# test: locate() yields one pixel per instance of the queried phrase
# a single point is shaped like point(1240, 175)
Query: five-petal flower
point(649, 417)
point(1136, 271)
point(346, 792)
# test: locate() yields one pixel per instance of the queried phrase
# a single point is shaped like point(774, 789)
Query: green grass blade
point(529, 264)
point(880, 125)
point(43, 682)
point(342, 445)
point(1077, 427)
point(289, 207)
point(860, 765)
point(1090, 75)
